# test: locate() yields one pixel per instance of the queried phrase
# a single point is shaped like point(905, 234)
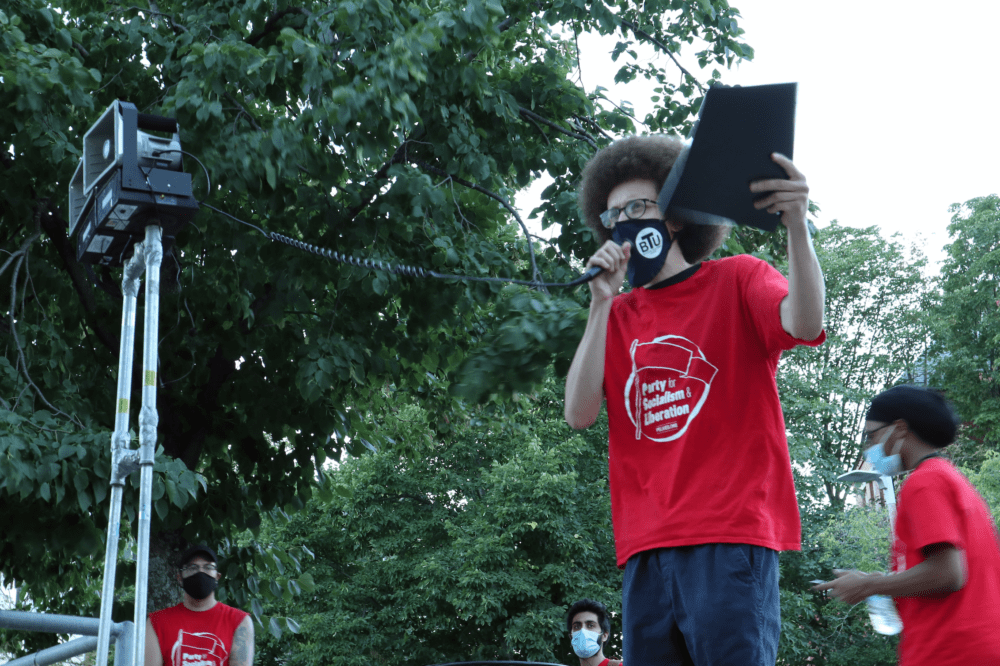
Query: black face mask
point(650, 242)
point(200, 585)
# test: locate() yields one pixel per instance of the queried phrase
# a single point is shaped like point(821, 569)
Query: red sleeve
point(764, 289)
point(934, 516)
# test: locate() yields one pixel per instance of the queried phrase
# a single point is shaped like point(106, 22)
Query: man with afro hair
point(702, 495)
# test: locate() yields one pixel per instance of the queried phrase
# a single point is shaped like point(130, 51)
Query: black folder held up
point(729, 147)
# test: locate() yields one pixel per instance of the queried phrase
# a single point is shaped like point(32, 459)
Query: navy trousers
point(706, 605)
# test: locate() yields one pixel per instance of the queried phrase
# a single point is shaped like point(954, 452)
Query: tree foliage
point(876, 333)
point(967, 326)
point(399, 131)
point(465, 548)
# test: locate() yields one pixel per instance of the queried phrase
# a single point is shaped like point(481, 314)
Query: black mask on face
point(200, 585)
point(650, 242)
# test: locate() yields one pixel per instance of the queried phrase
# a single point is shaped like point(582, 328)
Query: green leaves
point(482, 537)
point(373, 128)
point(965, 357)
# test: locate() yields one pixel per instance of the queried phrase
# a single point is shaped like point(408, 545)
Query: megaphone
point(108, 144)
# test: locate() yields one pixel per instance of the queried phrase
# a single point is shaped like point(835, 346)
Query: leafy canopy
point(397, 131)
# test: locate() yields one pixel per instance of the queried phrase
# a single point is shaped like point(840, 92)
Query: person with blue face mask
point(589, 629)
point(686, 362)
point(946, 550)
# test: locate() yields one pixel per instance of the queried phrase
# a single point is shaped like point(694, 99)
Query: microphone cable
point(399, 269)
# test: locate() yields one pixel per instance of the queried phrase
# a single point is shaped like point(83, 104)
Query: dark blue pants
point(707, 605)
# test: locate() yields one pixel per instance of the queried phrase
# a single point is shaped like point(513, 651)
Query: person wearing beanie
point(589, 629)
point(946, 551)
point(199, 630)
point(702, 495)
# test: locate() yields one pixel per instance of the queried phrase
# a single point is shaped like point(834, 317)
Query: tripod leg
point(148, 419)
point(120, 452)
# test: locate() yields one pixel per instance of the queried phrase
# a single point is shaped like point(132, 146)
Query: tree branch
point(593, 123)
point(540, 131)
point(642, 34)
point(534, 116)
point(253, 121)
point(397, 158)
point(22, 359)
point(502, 26)
point(55, 228)
point(430, 168)
point(153, 10)
point(272, 24)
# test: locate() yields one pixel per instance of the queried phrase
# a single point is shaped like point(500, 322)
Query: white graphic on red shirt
point(669, 383)
point(198, 649)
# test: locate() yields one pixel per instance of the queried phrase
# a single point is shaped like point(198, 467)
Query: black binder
point(729, 147)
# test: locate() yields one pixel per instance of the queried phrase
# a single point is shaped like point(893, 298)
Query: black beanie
point(925, 411)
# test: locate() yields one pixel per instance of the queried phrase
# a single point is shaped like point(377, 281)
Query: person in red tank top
point(946, 552)
point(589, 629)
point(200, 629)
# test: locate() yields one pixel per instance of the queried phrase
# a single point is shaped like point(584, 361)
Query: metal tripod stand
point(130, 637)
point(124, 460)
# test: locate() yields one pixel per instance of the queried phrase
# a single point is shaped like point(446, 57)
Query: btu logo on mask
point(649, 242)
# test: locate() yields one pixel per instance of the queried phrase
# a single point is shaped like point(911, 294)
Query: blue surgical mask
point(650, 243)
point(883, 464)
point(585, 643)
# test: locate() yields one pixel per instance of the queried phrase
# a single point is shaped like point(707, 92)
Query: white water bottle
point(884, 617)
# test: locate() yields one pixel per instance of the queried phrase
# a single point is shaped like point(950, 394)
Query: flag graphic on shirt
point(669, 383)
point(198, 649)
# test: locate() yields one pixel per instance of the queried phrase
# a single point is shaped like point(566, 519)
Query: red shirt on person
point(189, 637)
point(697, 444)
point(938, 505)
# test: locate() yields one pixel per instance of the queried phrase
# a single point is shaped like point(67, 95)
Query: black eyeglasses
point(866, 435)
point(634, 210)
point(192, 569)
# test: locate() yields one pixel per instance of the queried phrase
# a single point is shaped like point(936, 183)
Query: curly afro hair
point(640, 158)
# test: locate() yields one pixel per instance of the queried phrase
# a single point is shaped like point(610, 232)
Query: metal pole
point(58, 653)
point(148, 420)
point(119, 448)
point(123, 645)
point(56, 624)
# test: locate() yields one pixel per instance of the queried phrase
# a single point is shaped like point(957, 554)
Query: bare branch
point(527, 113)
point(430, 168)
point(22, 360)
point(593, 124)
point(272, 24)
point(605, 97)
point(642, 34)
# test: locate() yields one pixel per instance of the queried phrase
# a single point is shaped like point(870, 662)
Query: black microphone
point(591, 273)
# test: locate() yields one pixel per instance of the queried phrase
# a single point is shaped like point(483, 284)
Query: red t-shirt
point(202, 638)
point(697, 446)
point(939, 505)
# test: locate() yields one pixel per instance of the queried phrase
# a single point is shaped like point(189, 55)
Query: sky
point(898, 104)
